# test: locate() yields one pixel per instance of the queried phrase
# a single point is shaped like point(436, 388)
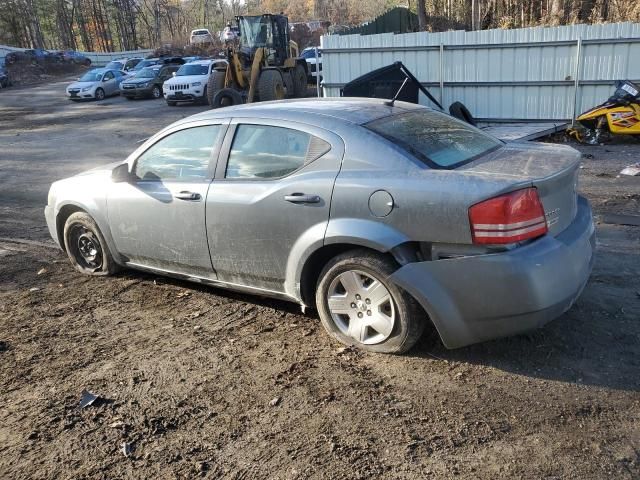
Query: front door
point(109, 84)
point(274, 188)
point(158, 218)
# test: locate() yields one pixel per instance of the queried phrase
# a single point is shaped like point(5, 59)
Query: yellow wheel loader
point(264, 64)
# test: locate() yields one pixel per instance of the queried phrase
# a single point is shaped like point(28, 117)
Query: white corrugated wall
point(527, 73)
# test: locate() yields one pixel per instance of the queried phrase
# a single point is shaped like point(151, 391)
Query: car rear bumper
point(476, 298)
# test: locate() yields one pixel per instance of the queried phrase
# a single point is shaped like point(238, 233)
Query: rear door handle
point(184, 195)
point(302, 198)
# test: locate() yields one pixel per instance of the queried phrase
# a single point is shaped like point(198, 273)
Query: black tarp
point(385, 82)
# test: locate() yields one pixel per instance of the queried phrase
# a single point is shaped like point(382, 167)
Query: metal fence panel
point(527, 73)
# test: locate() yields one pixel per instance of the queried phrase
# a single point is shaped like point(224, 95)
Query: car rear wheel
point(86, 247)
point(99, 94)
point(171, 104)
point(156, 92)
point(359, 306)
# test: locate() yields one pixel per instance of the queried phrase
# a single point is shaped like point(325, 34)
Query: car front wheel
point(359, 306)
point(99, 94)
point(156, 92)
point(86, 247)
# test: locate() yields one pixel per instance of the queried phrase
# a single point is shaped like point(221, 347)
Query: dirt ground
point(199, 382)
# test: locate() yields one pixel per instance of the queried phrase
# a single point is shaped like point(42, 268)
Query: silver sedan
point(386, 218)
point(97, 84)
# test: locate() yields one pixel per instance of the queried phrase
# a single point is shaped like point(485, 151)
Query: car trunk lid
point(552, 169)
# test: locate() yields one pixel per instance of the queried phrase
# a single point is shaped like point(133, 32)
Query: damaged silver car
point(385, 217)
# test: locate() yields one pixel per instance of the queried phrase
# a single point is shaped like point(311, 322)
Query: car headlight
point(196, 84)
point(144, 84)
point(86, 89)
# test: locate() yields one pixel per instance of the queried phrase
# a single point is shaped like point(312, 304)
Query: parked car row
point(177, 79)
point(38, 55)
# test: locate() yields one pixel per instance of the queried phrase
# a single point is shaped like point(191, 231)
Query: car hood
point(102, 170)
point(82, 84)
point(186, 79)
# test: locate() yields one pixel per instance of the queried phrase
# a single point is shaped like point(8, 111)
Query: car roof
point(313, 111)
point(200, 62)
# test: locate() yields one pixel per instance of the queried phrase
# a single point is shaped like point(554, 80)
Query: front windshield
point(146, 73)
point(114, 66)
point(91, 77)
point(256, 32)
point(435, 138)
point(192, 69)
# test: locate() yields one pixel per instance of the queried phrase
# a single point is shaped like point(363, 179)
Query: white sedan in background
point(97, 84)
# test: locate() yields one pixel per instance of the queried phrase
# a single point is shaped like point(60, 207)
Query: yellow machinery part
point(256, 68)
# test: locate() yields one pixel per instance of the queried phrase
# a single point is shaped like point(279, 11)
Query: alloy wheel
point(361, 307)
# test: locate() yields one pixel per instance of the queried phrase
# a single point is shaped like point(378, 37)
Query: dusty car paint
point(254, 241)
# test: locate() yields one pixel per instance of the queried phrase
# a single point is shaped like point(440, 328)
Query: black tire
point(299, 75)
point(129, 98)
point(99, 94)
point(171, 104)
point(227, 97)
point(270, 85)
point(156, 92)
point(459, 111)
point(86, 247)
point(409, 318)
point(215, 84)
point(205, 98)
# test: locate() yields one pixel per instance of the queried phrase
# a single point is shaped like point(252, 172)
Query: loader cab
point(265, 31)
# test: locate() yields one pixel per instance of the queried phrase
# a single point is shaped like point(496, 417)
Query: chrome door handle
point(302, 198)
point(184, 195)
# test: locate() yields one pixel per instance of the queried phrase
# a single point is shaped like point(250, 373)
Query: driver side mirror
point(121, 173)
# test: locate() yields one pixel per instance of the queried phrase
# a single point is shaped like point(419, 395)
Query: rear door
point(273, 184)
point(158, 218)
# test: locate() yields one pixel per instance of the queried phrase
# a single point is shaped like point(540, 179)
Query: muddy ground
point(200, 382)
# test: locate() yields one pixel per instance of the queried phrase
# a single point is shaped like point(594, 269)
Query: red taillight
point(509, 218)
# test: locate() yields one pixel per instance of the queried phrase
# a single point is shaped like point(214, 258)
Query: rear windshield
point(201, 32)
point(437, 139)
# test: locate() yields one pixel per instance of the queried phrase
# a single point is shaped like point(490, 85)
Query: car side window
point(263, 151)
point(181, 156)
point(107, 76)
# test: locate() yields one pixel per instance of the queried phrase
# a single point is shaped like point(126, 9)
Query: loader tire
point(226, 97)
point(215, 84)
point(270, 85)
point(459, 111)
point(299, 75)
